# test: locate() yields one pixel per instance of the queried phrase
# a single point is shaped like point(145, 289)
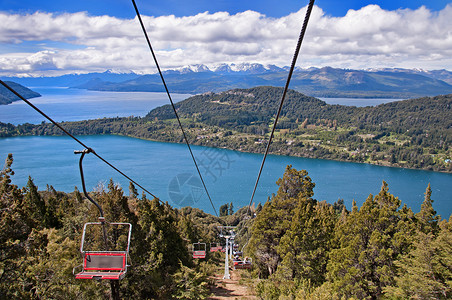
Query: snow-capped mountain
point(243, 68)
point(319, 82)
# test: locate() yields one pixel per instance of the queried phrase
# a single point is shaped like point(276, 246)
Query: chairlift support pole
point(227, 236)
point(226, 261)
point(231, 246)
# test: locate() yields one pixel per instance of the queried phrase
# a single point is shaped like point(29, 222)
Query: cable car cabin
point(242, 264)
point(199, 250)
point(104, 264)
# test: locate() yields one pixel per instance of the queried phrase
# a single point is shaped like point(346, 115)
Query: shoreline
point(386, 165)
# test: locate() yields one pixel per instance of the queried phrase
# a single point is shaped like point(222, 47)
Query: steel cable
point(77, 140)
point(171, 100)
point(292, 67)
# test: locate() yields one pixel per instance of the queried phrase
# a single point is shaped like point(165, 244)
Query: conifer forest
point(301, 248)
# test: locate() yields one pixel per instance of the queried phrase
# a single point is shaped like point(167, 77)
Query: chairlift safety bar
point(101, 223)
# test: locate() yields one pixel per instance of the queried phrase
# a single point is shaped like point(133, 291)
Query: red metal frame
point(199, 254)
point(105, 254)
point(113, 272)
point(243, 264)
point(104, 276)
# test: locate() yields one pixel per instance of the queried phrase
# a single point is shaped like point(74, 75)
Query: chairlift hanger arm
point(80, 163)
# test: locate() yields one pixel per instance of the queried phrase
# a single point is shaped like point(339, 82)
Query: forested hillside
point(306, 249)
point(301, 248)
point(399, 133)
point(241, 108)
point(40, 241)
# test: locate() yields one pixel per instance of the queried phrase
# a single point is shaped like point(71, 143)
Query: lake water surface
point(167, 169)
point(64, 104)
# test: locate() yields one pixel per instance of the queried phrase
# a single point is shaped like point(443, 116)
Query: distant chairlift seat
point(101, 265)
point(214, 247)
point(199, 250)
point(242, 264)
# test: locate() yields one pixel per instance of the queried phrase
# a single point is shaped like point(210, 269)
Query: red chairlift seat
point(199, 254)
point(199, 250)
point(243, 264)
point(214, 247)
point(101, 265)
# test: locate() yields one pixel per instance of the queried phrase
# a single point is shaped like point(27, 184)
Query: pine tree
point(14, 232)
point(34, 205)
point(48, 268)
point(133, 193)
point(305, 247)
point(426, 271)
point(157, 252)
point(275, 219)
point(426, 218)
point(190, 284)
point(224, 210)
point(231, 209)
point(364, 262)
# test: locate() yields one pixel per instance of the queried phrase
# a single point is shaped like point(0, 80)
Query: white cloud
point(366, 38)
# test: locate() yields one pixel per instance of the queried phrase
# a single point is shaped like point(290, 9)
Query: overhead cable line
point(292, 67)
point(171, 100)
point(77, 140)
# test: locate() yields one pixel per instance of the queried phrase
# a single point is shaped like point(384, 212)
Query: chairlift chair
point(199, 250)
point(214, 247)
point(97, 264)
point(101, 265)
point(243, 264)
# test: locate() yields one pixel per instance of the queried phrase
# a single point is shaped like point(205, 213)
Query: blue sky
point(271, 8)
point(52, 37)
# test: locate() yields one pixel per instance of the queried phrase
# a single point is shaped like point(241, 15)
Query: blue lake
point(63, 104)
point(167, 169)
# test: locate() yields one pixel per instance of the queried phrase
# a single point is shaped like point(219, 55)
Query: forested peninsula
point(6, 97)
point(415, 133)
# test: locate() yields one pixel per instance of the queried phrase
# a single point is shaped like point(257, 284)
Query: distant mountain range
point(318, 82)
point(7, 97)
